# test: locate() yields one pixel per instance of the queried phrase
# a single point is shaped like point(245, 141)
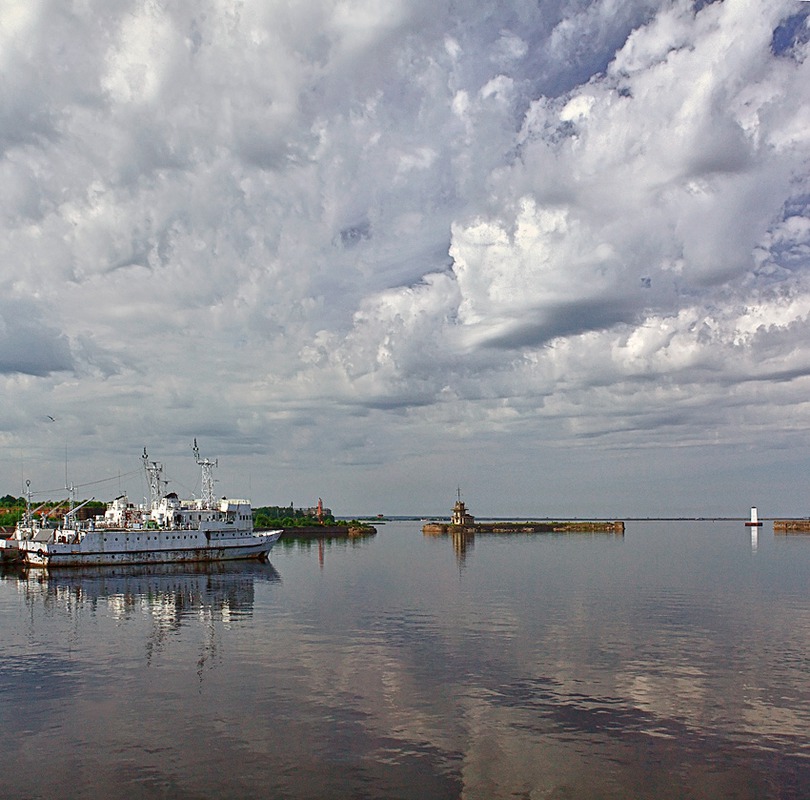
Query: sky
point(552, 254)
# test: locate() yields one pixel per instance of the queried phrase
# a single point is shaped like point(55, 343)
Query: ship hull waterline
point(35, 554)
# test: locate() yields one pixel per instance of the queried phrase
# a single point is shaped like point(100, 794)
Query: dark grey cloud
point(29, 344)
point(565, 319)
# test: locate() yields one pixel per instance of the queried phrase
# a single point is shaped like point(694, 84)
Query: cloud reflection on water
point(546, 668)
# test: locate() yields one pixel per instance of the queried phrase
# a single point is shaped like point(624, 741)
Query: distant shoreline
point(446, 519)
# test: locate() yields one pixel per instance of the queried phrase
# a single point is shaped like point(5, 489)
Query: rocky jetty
point(461, 521)
point(791, 526)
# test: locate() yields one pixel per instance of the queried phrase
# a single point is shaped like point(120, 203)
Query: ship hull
point(146, 548)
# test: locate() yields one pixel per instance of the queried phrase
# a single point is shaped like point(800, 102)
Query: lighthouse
point(754, 523)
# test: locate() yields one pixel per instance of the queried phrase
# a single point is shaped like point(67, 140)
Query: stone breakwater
point(791, 526)
point(571, 526)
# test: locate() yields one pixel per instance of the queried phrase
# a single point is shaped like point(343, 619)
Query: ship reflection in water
point(225, 587)
point(169, 595)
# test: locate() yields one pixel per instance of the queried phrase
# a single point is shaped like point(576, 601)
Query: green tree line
point(12, 509)
point(288, 517)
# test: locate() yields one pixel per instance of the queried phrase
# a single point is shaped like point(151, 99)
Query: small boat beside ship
point(167, 531)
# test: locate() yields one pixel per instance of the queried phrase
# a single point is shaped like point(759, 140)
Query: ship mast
point(207, 468)
point(28, 516)
point(154, 477)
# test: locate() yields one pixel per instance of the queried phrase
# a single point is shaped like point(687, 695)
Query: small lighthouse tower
point(754, 523)
point(460, 517)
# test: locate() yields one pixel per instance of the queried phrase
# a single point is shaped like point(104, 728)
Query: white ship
point(169, 530)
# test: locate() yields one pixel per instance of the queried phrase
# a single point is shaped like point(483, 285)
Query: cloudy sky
point(553, 252)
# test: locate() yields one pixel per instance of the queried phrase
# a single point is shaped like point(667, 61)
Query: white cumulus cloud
point(339, 237)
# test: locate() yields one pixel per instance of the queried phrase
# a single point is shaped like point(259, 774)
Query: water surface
point(668, 663)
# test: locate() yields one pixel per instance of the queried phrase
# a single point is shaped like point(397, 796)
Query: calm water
point(671, 663)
